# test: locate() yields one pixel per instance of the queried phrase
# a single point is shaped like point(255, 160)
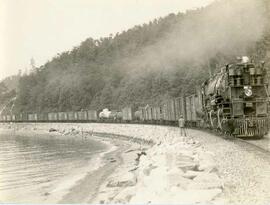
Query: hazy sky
point(43, 28)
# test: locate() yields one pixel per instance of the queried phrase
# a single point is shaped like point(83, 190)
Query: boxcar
point(52, 116)
point(24, 117)
point(32, 117)
point(191, 114)
point(16, 117)
point(189, 107)
point(140, 114)
point(128, 114)
point(148, 113)
point(82, 115)
point(76, 117)
point(13, 117)
point(70, 116)
point(8, 118)
point(169, 110)
point(42, 117)
point(180, 107)
point(62, 116)
point(157, 113)
point(92, 115)
point(165, 111)
point(154, 114)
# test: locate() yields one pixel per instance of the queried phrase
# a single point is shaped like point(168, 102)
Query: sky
point(40, 29)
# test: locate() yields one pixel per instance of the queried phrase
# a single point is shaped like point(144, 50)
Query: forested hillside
point(150, 62)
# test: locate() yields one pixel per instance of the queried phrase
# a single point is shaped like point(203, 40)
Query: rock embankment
point(176, 172)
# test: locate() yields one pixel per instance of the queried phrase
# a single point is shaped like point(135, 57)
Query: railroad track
point(258, 146)
point(262, 145)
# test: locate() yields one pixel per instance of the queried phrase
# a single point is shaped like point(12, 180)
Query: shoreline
point(158, 166)
point(87, 188)
point(84, 188)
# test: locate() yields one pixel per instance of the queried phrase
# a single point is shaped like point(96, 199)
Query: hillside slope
point(150, 62)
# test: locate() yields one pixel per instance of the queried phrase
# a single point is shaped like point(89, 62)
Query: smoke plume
point(226, 27)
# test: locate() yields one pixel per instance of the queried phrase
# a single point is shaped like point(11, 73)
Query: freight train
point(235, 101)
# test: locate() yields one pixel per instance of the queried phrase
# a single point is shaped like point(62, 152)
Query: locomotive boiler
point(236, 99)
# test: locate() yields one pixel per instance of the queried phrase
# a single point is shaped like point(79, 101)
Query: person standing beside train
point(181, 123)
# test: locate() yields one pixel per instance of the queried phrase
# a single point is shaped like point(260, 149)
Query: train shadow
point(253, 138)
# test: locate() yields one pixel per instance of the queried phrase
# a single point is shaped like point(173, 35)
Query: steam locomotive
point(235, 101)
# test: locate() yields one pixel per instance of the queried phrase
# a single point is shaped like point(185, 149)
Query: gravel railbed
point(263, 143)
point(244, 170)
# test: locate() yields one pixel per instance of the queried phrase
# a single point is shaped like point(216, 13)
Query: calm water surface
point(31, 167)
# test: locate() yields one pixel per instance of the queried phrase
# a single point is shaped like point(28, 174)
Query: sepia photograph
point(135, 102)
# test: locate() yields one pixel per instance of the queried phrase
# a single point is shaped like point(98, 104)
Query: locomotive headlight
point(248, 91)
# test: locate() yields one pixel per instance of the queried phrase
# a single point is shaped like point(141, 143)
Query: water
point(36, 168)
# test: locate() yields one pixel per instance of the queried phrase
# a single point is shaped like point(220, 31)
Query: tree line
point(112, 72)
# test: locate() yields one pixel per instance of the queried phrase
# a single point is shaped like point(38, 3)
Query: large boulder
point(206, 181)
point(126, 180)
point(191, 174)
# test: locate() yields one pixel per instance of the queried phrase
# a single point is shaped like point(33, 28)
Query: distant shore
point(148, 164)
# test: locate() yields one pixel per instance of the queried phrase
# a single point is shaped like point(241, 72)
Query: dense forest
point(148, 63)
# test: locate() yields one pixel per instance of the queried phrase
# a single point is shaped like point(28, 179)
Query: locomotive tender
point(235, 101)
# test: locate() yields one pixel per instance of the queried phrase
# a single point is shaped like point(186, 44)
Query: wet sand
point(87, 189)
